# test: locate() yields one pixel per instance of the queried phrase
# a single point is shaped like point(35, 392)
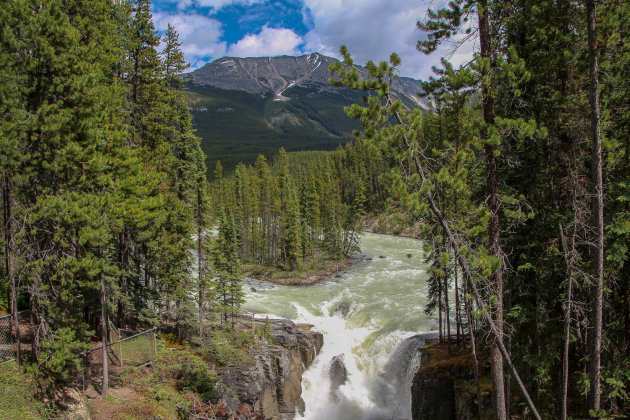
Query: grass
point(224, 347)
point(159, 391)
point(18, 390)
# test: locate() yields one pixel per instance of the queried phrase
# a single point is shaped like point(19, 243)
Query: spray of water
point(372, 316)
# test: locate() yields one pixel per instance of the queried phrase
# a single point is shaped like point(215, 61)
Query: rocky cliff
point(443, 387)
point(273, 383)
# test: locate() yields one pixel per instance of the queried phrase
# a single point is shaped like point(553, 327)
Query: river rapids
point(373, 315)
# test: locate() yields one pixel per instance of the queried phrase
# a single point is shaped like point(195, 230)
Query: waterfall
point(378, 330)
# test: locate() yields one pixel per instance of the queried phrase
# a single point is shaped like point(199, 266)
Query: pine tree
point(226, 263)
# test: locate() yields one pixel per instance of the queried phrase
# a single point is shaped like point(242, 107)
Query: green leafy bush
point(61, 356)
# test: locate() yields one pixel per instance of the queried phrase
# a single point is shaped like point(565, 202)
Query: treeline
point(300, 205)
point(519, 179)
point(103, 180)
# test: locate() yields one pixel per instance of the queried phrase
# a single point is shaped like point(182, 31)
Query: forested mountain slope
point(247, 106)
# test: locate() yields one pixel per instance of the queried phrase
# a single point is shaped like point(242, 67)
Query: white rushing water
point(378, 336)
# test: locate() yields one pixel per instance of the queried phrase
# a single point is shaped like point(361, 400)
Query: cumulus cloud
point(269, 42)
point(215, 4)
point(218, 4)
point(200, 35)
point(372, 30)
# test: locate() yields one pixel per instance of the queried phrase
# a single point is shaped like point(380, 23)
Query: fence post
point(155, 343)
point(85, 356)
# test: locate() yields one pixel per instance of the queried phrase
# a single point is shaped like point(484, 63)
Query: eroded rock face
point(435, 394)
point(338, 376)
point(273, 383)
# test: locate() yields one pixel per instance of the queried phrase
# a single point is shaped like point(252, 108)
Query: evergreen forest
point(517, 180)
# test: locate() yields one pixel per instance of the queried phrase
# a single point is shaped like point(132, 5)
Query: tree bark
point(104, 334)
point(494, 231)
point(568, 252)
point(440, 329)
point(447, 315)
point(597, 288)
point(200, 259)
point(473, 346)
point(10, 269)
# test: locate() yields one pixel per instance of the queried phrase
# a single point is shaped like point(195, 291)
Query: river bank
point(396, 224)
point(312, 271)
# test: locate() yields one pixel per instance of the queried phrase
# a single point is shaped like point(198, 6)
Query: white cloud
point(269, 42)
point(215, 4)
point(218, 4)
point(199, 35)
point(372, 30)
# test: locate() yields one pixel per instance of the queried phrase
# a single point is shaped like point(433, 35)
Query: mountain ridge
point(243, 107)
point(274, 75)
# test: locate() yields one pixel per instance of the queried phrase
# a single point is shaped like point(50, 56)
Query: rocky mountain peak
point(275, 75)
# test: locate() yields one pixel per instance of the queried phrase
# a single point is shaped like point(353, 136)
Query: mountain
point(246, 106)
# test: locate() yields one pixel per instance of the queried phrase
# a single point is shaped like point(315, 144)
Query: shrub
point(62, 356)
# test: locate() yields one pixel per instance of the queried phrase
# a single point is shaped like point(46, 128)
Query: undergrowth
point(19, 395)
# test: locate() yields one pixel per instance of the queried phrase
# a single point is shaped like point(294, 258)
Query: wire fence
point(125, 347)
point(8, 342)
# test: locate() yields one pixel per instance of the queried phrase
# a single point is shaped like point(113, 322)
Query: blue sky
point(371, 29)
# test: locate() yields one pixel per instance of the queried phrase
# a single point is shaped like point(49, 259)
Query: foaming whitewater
point(372, 315)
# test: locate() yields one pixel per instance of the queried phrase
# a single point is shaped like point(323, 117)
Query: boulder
point(343, 308)
point(338, 372)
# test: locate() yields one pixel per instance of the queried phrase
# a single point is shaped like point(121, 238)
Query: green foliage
point(226, 347)
point(102, 168)
point(301, 204)
point(63, 358)
point(264, 331)
point(530, 129)
point(237, 126)
point(163, 389)
point(194, 374)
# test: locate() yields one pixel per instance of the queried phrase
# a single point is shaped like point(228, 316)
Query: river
point(378, 336)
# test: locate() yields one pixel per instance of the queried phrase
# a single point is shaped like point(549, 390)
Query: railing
point(138, 348)
point(8, 342)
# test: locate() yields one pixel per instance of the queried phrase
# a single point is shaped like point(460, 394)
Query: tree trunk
point(597, 288)
point(568, 252)
point(447, 315)
point(200, 259)
point(440, 311)
point(473, 347)
point(494, 232)
point(104, 334)
point(10, 269)
point(458, 319)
